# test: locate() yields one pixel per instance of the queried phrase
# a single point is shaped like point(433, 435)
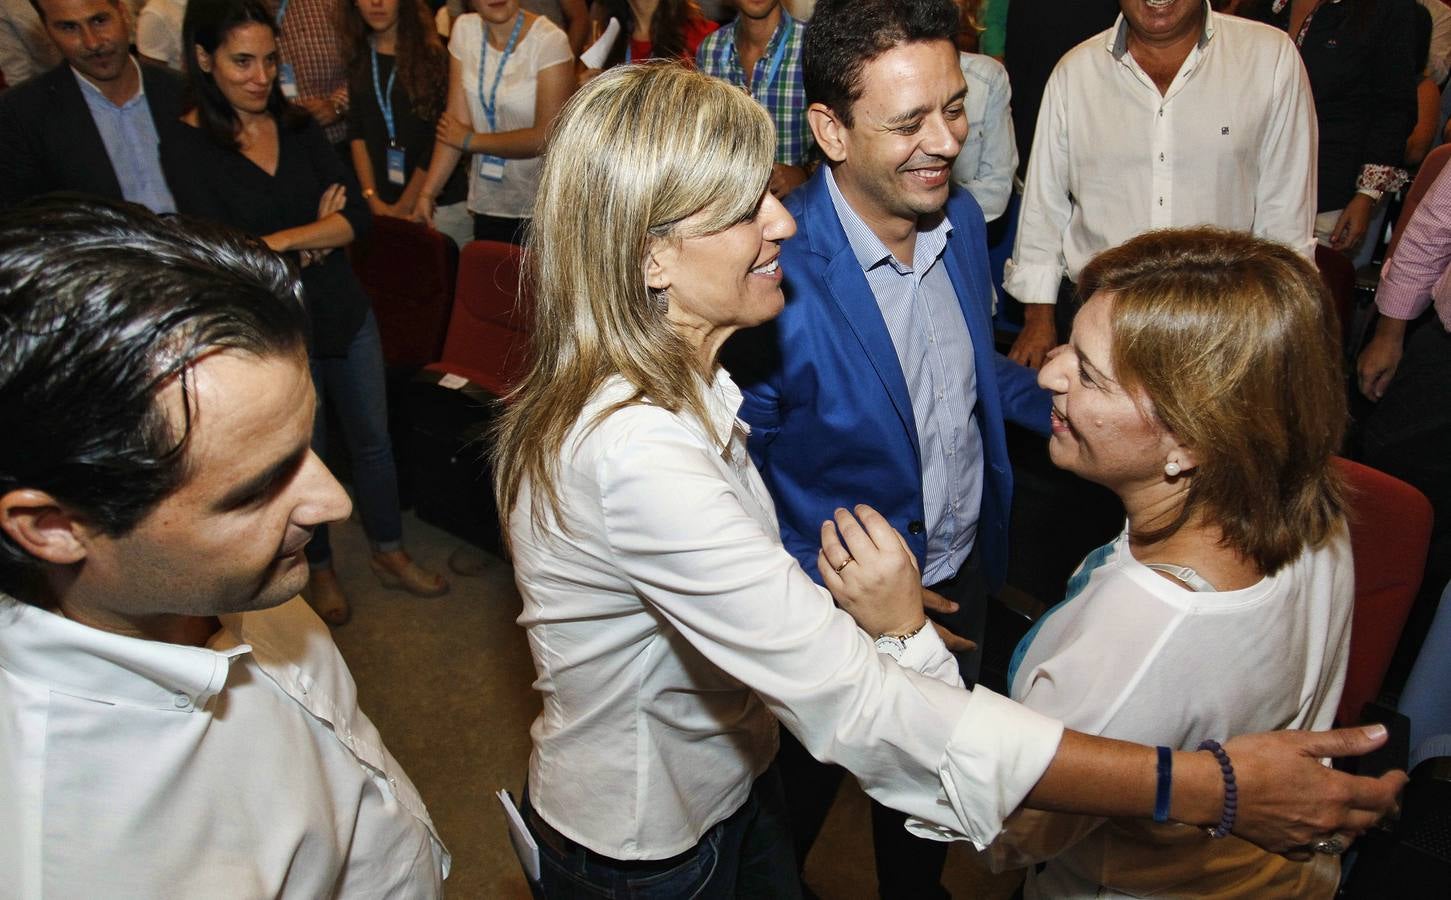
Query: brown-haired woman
point(398, 79)
point(1202, 386)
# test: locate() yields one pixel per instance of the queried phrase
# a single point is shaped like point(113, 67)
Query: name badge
point(287, 80)
point(397, 174)
point(491, 168)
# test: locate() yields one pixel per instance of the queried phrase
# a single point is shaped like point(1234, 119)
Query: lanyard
point(489, 103)
point(385, 97)
point(281, 11)
point(758, 88)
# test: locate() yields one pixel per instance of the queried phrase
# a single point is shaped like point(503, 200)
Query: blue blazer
point(831, 420)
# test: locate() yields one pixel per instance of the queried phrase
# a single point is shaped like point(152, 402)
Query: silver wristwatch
point(894, 645)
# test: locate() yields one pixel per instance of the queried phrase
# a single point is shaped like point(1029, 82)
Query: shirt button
point(181, 700)
point(1161, 157)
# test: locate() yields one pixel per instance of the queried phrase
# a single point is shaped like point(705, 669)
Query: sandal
point(411, 577)
point(327, 599)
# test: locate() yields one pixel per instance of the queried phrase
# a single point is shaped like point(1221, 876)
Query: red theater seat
point(488, 331)
point(408, 270)
point(1390, 529)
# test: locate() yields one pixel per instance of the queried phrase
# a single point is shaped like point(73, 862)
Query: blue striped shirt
point(784, 97)
point(934, 348)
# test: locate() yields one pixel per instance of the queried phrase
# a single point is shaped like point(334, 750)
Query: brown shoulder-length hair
point(420, 55)
point(667, 28)
point(1231, 339)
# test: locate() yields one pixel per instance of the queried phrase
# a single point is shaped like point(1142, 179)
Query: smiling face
point(757, 9)
point(230, 539)
point(727, 280)
point(380, 15)
point(1163, 21)
point(92, 35)
point(893, 161)
point(244, 66)
point(1103, 432)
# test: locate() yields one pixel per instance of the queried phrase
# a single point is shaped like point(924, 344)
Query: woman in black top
point(1360, 58)
point(398, 81)
point(255, 162)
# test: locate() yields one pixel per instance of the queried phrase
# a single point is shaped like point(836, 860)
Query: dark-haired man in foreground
point(173, 720)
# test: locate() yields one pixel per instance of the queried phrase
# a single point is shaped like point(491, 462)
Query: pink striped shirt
point(1420, 271)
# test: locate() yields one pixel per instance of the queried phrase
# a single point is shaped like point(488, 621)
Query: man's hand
point(1381, 357)
point(785, 179)
point(1039, 335)
point(935, 602)
point(871, 572)
point(1353, 222)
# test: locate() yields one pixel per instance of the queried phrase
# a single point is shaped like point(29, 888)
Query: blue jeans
point(747, 854)
point(355, 387)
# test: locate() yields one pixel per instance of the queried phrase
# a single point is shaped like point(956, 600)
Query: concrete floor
point(447, 682)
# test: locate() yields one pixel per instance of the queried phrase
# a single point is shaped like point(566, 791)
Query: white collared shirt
point(1231, 143)
point(243, 769)
point(668, 624)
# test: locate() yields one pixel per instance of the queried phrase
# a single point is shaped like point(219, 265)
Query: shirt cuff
point(1032, 283)
point(925, 653)
point(998, 752)
point(1383, 179)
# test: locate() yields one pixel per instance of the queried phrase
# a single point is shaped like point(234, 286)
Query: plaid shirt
point(313, 45)
point(784, 98)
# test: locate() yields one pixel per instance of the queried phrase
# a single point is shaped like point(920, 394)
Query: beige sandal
point(412, 578)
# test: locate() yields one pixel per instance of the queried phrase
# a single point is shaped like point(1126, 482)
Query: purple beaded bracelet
point(1231, 793)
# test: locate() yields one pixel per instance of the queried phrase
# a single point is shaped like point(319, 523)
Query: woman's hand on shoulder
point(871, 572)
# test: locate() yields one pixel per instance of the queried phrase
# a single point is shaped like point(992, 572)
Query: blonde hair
point(634, 152)
point(1231, 339)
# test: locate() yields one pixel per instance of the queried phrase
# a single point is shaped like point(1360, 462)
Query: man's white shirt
point(1231, 143)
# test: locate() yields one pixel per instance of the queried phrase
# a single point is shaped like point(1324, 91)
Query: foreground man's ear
point(829, 131)
point(43, 527)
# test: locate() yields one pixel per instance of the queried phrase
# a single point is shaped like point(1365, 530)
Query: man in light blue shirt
point(93, 124)
point(879, 383)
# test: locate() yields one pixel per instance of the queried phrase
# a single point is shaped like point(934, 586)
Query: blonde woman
point(669, 627)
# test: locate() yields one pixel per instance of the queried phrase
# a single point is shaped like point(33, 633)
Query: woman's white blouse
point(668, 625)
point(543, 46)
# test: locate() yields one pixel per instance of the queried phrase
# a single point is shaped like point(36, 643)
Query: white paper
point(594, 57)
point(519, 836)
point(452, 382)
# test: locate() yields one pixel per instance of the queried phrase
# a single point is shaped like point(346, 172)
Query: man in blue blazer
point(879, 382)
point(94, 123)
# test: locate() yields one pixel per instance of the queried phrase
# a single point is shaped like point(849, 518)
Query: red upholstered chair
point(1338, 274)
point(1390, 529)
point(488, 331)
point(408, 270)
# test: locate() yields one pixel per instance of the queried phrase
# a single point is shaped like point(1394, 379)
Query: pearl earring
point(1171, 468)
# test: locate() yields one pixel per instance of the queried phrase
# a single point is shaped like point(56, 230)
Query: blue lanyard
point(776, 58)
point(385, 98)
point(489, 103)
point(281, 11)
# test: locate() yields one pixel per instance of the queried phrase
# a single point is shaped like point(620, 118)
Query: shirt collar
point(869, 249)
point(140, 94)
point(1118, 36)
point(783, 30)
point(93, 664)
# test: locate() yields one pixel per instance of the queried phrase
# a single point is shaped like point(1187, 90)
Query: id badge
point(397, 174)
point(491, 168)
point(287, 80)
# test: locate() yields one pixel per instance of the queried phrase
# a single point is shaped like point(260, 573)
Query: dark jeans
point(747, 854)
point(908, 867)
point(353, 385)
